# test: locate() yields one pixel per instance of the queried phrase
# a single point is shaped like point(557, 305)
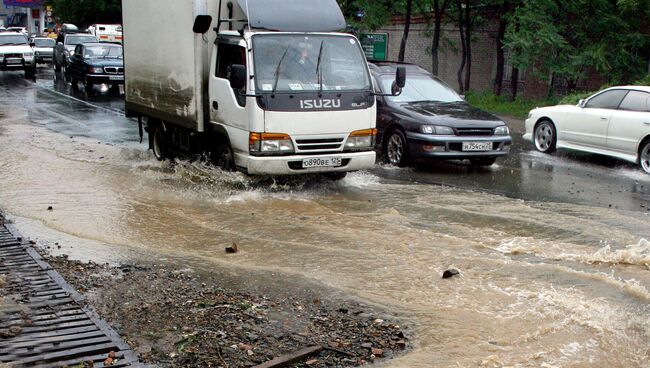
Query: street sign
point(375, 45)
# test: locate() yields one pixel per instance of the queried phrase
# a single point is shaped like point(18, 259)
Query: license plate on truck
point(321, 162)
point(477, 146)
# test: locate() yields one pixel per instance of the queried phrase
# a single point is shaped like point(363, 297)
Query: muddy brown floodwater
point(542, 283)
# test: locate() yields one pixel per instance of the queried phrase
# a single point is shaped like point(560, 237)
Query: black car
point(96, 63)
point(430, 120)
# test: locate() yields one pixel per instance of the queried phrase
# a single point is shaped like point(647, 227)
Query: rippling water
point(542, 284)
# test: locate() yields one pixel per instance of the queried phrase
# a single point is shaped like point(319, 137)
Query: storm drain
point(42, 320)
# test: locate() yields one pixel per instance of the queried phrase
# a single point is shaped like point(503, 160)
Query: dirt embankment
point(176, 317)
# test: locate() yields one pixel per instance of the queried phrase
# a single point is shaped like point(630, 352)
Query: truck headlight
point(501, 130)
point(361, 139)
point(436, 129)
point(270, 143)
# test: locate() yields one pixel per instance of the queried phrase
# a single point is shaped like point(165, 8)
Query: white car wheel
point(545, 138)
point(644, 157)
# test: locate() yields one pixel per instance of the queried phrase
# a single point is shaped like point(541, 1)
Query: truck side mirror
point(202, 24)
point(237, 76)
point(400, 81)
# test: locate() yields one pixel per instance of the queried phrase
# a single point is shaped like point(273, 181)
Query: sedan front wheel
point(397, 149)
point(545, 137)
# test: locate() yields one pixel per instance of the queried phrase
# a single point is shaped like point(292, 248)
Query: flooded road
point(552, 250)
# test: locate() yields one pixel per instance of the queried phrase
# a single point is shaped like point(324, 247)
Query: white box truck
point(271, 89)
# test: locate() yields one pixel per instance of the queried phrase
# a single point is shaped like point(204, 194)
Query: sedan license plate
point(321, 162)
point(477, 146)
point(116, 77)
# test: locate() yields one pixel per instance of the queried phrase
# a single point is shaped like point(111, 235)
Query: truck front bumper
point(292, 165)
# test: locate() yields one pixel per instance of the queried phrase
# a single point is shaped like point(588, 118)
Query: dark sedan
point(96, 63)
point(430, 120)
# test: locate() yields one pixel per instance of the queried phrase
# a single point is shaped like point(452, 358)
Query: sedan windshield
point(13, 40)
point(309, 63)
point(44, 42)
point(103, 52)
point(421, 88)
point(76, 40)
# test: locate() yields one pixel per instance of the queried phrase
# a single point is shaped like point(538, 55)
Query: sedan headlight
point(270, 143)
point(361, 139)
point(501, 130)
point(95, 70)
point(436, 129)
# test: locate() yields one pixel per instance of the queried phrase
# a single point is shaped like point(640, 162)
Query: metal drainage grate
point(42, 322)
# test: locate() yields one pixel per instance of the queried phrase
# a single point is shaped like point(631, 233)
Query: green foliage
point(86, 12)
point(570, 38)
point(501, 105)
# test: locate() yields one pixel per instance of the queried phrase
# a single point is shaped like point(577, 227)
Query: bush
point(501, 105)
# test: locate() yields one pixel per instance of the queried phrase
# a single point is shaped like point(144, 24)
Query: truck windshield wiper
point(318, 71)
point(277, 70)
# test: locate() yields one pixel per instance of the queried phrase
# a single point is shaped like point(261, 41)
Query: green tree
point(568, 39)
point(86, 12)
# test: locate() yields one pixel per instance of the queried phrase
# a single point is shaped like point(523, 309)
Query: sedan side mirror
point(237, 76)
point(400, 81)
point(582, 103)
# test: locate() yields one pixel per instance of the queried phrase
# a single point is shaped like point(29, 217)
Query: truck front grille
point(330, 144)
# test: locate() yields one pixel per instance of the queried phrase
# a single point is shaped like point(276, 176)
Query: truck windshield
point(13, 40)
point(309, 63)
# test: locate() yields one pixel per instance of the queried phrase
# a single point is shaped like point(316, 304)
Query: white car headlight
point(436, 129)
point(501, 130)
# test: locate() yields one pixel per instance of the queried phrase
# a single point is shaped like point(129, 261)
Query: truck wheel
point(223, 157)
point(158, 146)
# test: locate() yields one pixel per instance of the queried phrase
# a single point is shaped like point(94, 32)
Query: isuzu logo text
point(320, 104)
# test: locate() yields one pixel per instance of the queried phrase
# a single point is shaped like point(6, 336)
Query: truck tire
point(223, 157)
point(158, 145)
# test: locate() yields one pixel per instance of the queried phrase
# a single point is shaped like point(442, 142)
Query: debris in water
point(232, 249)
point(450, 273)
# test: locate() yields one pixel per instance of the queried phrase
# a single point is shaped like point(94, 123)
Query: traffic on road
point(368, 181)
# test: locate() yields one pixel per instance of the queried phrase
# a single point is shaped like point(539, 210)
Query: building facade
point(31, 14)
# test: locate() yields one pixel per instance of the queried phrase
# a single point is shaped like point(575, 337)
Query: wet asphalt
point(563, 177)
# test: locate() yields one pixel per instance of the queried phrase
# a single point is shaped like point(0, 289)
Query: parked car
point(613, 122)
point(430, 120)
point(96, 63)
point(106, 32)
point(16, 54)
point(65, 45)
point(43, 49)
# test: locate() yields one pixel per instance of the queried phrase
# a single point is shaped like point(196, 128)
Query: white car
point(613, 122)
point(16, 54)
point(22, 30)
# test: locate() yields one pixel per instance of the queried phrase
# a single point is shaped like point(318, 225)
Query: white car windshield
point(309, 63)
point(10, 40)
point(420, 88)
point(76, 40)
point(103, 52)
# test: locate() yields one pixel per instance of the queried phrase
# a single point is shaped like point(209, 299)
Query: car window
point(44, 42)
point(636, 101)
point(78, 50)
point(75, 40)
point(227, 55)
point(13, 40)
point(607, 100)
